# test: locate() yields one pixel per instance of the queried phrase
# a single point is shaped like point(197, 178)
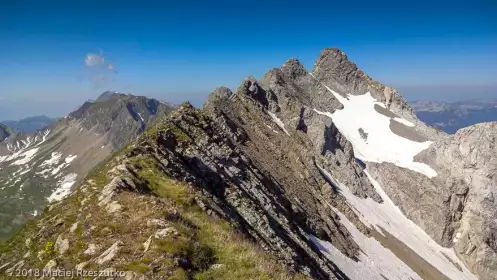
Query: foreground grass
point(234, 256)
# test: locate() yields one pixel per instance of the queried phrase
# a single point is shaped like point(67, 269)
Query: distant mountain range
point(41, 167)
point(451, 117)
point(30, 124)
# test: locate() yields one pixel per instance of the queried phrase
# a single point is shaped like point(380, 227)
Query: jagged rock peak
point(333, 66)
point(250, 85)
point(293, 68)
point(333, 54)
point(185, 106)
point(336, 63)
point(334, 69)
point(220, 94)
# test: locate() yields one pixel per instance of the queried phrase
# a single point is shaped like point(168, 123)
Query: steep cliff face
point(327, 171)
point(469, 160)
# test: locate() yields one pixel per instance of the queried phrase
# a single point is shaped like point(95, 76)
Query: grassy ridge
point(195, 246)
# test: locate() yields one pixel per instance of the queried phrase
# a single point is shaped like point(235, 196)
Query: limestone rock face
point(457, 207)
point(235, 181)
point(469, 159)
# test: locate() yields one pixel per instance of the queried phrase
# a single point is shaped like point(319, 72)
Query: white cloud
point(100, 72)
point(93, 60)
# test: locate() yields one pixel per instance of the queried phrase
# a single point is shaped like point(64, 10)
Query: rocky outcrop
point(219, 95)
point(259, 203)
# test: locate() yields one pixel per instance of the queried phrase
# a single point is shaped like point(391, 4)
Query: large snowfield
point(381, 143)
point(370, 134)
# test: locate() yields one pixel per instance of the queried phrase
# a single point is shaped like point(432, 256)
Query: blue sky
point(181, 50)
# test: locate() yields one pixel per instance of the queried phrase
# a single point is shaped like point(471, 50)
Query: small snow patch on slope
point(387, 216)
point(382, 144)
point(64, 164)
point(374, 262)
point(54, 158)
point(70, 158)
point(25, 157)
point(404, 122)
point(63, 188)
point(278, 122)
point(141, 118)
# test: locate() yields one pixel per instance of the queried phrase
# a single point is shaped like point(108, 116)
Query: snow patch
point(141, 118)
point(374, 262)
point(22, 172)
point(54, 159)
point(70, 158)
point(25, 156)
point(278, 122)
point(20, 151)
point(63, 188)
point(387, 216)
point(382, 145)
point(404, 122)
point(63, 165)
point(456, 239)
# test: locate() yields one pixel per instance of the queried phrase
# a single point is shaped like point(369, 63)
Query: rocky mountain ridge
point(41, 167)
point(328, 171)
